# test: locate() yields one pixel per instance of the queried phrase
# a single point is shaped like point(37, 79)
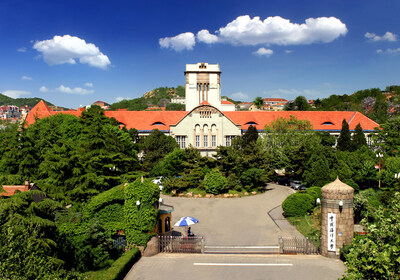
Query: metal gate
point(302, 245)
point(181, 244)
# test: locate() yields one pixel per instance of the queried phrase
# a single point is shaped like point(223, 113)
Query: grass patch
point(308, 225)
point(119, 268)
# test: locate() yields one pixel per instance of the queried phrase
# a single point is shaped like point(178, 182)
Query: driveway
point(233, 221)
point(254, 267)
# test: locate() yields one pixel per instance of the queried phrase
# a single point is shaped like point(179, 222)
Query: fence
point(296, 245)
point(179, 244)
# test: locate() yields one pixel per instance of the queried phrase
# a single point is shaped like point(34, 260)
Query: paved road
point(233, 221)
point(193, 267)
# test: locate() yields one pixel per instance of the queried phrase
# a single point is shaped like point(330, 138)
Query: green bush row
point(119, 268)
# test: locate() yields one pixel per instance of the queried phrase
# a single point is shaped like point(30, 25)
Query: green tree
point(155, 147)
point(301, 104)
point(258, 102)
point(344, 141)
point(377, 255)
point(387, 137)
point(288, 143)
point(359, 138)
point(215, 182)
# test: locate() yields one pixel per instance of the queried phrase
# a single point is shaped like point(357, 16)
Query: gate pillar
point(337, 218)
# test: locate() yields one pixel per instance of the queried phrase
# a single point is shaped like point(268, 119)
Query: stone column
point(337, 218)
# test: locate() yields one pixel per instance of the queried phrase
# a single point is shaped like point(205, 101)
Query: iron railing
point(302, 245)
point(181, 244)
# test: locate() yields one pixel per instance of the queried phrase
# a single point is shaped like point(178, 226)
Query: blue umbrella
point(186, 221)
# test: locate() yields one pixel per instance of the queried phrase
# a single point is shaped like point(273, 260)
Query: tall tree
point(387, 137)
point(344, 141)
point(359, 137)
point(301, 104)
point(258, 102)
point(155, 147)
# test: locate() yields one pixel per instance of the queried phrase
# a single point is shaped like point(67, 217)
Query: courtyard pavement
point(234, 221)
point(236, 267)
point(246, 221)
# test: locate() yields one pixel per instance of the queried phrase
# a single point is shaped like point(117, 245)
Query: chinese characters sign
point(331, 232)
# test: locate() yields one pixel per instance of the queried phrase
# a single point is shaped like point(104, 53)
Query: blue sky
point(73, 53)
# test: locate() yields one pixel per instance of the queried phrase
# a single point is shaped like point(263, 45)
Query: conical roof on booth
point(337, 190)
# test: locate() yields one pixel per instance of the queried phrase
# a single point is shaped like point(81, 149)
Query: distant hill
point(158, 96)
point(376, 104)
point(5, 100)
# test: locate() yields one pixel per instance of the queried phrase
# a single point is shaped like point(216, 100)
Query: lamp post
point(341, 206)
point(379, 156)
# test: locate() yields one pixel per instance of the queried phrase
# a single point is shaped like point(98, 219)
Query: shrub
point(315, 192)
point(352, 184)
point(255, 178)
point(215, 182)
point(298, 204)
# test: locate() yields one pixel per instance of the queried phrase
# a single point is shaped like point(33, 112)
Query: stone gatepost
point(337, 221)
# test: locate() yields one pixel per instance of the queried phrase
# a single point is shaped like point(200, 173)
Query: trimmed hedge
point(298, 204)
point(315, 192)
point(119, 268)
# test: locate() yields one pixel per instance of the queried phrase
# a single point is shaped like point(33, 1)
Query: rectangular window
point(181, 140)
point(228, 141)
point(214, 140)
point(197, 144)
point(205, 142)
point(183, 143)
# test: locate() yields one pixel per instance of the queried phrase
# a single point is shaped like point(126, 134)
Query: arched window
point(158, 123)
point(167, 224)
point(327, 123)
point(251, 123)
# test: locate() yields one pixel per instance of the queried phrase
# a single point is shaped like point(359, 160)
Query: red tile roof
point(226, 102)
point(10, 190)
point(149, 120)
point(317, 118)
point(275, 99)
point(205, 103)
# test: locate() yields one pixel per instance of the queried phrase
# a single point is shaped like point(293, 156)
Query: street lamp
point(380, 156)
point(341, 206)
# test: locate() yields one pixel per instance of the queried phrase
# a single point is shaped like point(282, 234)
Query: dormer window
point(327, 123)
point(158, 123)
point(251, 123)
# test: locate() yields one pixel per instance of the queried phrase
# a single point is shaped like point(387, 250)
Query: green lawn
point(308, 225)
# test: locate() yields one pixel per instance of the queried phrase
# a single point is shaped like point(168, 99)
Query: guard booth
point(164, 219)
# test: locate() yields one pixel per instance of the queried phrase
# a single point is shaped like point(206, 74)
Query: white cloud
point(263, 52)
point(254, 31)
point(179, 42)
point(76, 90)
point(240, 96)
point(15, 93)
point(69, 49)
point(88, 84)
point(388, 36)
point(288, 51)
point(43, 89)
point(279, 31)
point(23, 49)
point(26, 78)
point(205, 37)
point(388, 51)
